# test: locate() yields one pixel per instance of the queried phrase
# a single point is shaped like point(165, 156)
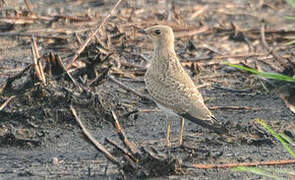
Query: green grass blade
point(286, 138)
point(280, 171)
point(290, 37)
point(291, 2)
point(277, 136)
point(291, 42)
point(264, 74)
point(258, 171)
point(292, 18)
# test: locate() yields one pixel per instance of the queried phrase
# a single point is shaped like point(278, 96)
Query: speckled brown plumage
point(170, 86)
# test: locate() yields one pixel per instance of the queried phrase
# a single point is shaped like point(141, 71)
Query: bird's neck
point(164, 50)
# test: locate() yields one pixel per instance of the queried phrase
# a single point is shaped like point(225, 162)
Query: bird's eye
point(158, 31)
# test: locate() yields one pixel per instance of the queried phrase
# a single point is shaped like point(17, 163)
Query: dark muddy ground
point(40, 138)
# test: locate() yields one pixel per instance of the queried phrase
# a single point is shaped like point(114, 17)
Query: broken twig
point(128, 89)
point(123, 137)
point(192, 32)
point(30, 35)
point(37, 64)
point(99, 146)
point(81, 49)
point(231, 165)
point(122, 149)
point(30, 9)
point(6, 102)
point(35, 61)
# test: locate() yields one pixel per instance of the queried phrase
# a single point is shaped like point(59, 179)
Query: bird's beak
point(142, 31)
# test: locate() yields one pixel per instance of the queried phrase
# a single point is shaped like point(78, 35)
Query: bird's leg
point(168, 143)
point(181, 131)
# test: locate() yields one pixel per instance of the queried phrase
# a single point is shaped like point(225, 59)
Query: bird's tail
point(216, 127)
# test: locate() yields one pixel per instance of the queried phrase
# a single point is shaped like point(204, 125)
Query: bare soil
point(39, 137)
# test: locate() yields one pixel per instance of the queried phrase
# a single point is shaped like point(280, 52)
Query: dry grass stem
point(123, 137)
point(231, 165)
point(28, 4)
point(35, 61)
point(81, 49)
point(128, 88)
point(6, 102)
point(99, 146)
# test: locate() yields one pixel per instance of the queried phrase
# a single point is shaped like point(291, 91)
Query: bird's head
point(160, 35)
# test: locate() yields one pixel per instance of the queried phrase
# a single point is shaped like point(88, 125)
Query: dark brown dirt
point(37, 127)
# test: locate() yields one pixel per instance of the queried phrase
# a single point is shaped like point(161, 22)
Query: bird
point(170, 86)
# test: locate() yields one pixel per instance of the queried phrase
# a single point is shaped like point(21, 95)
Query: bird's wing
point(191, 102)
point(216, 127)
point(174, 89)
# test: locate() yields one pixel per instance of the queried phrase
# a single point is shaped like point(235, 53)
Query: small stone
point(54, 161)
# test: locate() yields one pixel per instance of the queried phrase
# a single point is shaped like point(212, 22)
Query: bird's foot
point(181, 131)
point(180, 141)
point(168, 143)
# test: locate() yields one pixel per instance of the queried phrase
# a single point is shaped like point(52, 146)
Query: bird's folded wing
point(219, 129)
point(178, 96)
